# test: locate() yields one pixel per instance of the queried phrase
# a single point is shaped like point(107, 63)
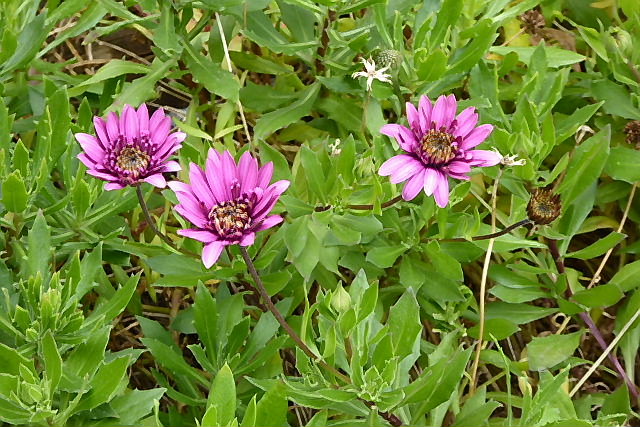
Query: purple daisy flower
point(438, 145)
point(131, 149)
point(227, 202)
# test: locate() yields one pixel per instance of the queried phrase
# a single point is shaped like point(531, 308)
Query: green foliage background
point(101, 324)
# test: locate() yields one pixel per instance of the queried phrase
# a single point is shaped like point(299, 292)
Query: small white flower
point(335, 147)
point(510, 160)
point(582, 132)
point(371, 73)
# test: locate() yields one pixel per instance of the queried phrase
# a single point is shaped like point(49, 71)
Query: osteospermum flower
point(438, 145)
point(131, 148)
point(227, 202)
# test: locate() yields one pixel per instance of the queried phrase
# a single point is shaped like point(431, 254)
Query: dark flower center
point(439, 146)
point(133, 160)
point(544, 206)
point(231, 219)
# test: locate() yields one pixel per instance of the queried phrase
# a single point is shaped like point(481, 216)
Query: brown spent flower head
point(632, 130)
point(544, 206)
point(533, 21)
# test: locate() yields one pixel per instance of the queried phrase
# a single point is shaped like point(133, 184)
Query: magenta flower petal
point(109, 186)
point(484, 158)
point(413, 187)
point(431, 177)
point(228, 202)
point(404, 136)
point(438, 145)
point(441, 192)
point(156, 180)
point(125, 151)
point(211, 253)
point(204, 236)
point(424, 108)
point(439, 112)
point(248, 239)
point(269, 222)
point(476, 136)
point(467, 120)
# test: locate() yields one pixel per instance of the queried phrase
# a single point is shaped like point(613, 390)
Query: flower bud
point(544, 206)
point(388, 58)
point(622, 41)
point(340, 300)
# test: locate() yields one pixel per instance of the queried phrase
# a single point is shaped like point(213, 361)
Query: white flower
point(510, 160)
point(335, 147)
point(371, 73)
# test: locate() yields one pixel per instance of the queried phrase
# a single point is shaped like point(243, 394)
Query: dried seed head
point(544, 206)
point(632, 130)
point(388, 58)
point(533, 21)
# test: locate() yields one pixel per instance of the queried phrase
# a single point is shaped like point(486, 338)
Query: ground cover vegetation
point(319, 213)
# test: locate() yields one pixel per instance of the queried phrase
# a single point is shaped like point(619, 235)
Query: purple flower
point(438, 145)
point(131, 149)
point(227, 202)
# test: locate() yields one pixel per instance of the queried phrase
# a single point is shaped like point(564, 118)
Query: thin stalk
point(596, 276)
point(606, 353)
point(152, 224)
point(489, 236)
point(391, 418)
point(230, 68)
point(483, 286)
point(280, 318)
point(586, 318)
point(362, 207)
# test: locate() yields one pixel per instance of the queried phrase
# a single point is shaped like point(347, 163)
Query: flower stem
point(586, 318)
point(225, 47)
point(391, 418)
point(152, 224)
point(483, 286)
point(489, 236)
point(362, 207)
point(596, 276)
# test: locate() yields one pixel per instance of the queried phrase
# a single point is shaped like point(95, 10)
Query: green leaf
point(586, 166)
point(404, 324)
point(546, 352)
point(498, 329)
point(451, 10)
point(599, 296)
point(134, 405)
point(211, 76)
point(223, 396)
point(114, 68)
point(517, 313)
point(29, 42)
point(599, 247)
point(275, 120)
point(52, 359)
point(14, 193)
point(105, 384)
point(568, 126)
point(206, 320)
point(436, 383)
point(39, 246)
point(622, 164)
point(144, 88)
point(85, 358)
point(385, 256)
point(271, 410)
point(556, 57)
point(627, 277)
point(616, 99)
point(116, 303)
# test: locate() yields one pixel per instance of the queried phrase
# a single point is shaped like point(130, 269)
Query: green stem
point(152, 224)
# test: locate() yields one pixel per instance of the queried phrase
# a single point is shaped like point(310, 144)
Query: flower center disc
point(133, 160)
point(439, 146)
point(230, 219)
